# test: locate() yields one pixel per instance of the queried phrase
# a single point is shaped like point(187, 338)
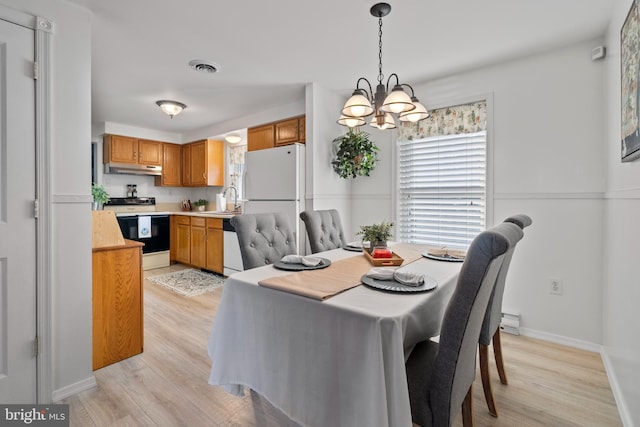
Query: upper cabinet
point(203, 163)
point(125, 149)
point(275, 134)
point(171, 166)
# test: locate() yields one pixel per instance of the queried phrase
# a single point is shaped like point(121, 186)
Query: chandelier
point(383, 103)
point(171, 108)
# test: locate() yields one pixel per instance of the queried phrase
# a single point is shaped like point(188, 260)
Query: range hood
point(132, 169)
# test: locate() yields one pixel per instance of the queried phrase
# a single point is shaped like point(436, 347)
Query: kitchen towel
point(144, 227)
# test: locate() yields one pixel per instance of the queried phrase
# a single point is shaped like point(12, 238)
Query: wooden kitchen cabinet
point(117, 303)
point(289, 131)
point(171, 166)
point(283, 132)
point(198, 242)
point(261, 137)
point(215, 245)
point(203, 163)
point(181, 239)
point(126, 149)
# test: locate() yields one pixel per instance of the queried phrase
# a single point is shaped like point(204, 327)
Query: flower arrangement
point(200, 204)
point(357, 154)
point(376, 234)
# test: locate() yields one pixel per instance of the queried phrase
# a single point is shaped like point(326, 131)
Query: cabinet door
point(149, 152)
point(215, 245)
point(186, 165)
point(198, 244)
point(215, 163)
point(198, 173)
point(261, 137)
point(120, 149)
point(183, 243)
point(287, 132)
point(171, 166)
point(117, 305)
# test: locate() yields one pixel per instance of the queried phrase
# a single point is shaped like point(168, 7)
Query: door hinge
point(36, 208)
point(35, 71)
point(36, 347)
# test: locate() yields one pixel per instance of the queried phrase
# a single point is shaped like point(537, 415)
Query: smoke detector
point(204, 66)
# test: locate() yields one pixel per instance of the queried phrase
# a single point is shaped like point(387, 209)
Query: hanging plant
point(357, 154)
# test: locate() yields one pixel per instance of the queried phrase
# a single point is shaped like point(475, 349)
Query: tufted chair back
point(263, 238)
point(324, 229)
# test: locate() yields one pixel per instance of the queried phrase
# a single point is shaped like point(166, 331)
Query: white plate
point(391, 285)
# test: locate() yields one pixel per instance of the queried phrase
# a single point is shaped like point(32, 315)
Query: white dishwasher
point(232, 257)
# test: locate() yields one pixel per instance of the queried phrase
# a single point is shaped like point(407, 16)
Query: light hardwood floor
point(166, 385)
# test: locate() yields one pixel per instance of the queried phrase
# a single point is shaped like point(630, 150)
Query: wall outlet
point(555, 286)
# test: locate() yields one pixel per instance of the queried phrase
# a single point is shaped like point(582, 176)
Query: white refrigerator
point(275, 182)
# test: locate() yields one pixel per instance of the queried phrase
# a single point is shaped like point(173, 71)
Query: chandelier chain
point(380, 75)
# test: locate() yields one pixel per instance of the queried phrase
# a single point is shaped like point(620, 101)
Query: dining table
point(328, 357)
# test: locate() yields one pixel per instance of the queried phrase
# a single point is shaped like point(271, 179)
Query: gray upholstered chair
point(440, 375)
point(263, 238)
point(491, 324)
point(324, 230)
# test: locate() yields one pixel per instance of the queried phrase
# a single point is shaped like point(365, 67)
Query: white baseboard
point(71, 389)
point(559, 339)
point(623, 410)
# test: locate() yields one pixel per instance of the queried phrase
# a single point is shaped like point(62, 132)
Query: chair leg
point(486, 381)
point(467, 409)
point(497, 352)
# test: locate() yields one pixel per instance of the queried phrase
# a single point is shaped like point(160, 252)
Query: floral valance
point(466, 118)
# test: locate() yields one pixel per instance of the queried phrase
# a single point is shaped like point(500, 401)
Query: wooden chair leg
point(486, 381)
point(497, 352)
point(467, 409)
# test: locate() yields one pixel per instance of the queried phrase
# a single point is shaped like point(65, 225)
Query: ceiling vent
point(204, 66)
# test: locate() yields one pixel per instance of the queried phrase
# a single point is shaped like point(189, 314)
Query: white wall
point(70, 183)
point(547, 162)
point(325, 189)
point(622, 243)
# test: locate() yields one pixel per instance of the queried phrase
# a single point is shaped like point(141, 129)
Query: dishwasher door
point(232, 257)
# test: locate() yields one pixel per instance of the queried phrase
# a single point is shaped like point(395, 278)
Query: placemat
point(322, 284)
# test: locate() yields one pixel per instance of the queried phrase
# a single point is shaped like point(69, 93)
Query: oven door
point(160, 232)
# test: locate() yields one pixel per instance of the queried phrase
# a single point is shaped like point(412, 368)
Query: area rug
point(189, 282)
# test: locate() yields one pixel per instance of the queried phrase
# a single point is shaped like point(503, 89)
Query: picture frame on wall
point(630, 95)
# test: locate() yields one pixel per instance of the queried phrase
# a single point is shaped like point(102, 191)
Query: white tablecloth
point(338, 362)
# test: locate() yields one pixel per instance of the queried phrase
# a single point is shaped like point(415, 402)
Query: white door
point(17, 224)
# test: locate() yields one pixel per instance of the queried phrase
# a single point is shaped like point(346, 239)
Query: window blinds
point(442, 189)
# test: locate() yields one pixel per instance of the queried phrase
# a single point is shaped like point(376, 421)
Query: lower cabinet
point(215, 245)
point(117, 286)
point(198, 241)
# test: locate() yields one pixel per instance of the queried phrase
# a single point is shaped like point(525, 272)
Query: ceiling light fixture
point(171, 108)
point(383, 103)
point(233, 138)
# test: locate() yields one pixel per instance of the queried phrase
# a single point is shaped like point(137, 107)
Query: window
point(236, 167)
point(442, 177)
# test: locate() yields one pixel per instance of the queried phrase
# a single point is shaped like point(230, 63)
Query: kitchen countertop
point(205, 214)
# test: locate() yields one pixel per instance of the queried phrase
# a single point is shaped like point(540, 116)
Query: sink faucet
point(236, 206)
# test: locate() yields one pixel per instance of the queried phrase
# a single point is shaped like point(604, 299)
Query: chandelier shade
point(415, 115)
point(171, 108)
point(351, 121)
point(384, 102)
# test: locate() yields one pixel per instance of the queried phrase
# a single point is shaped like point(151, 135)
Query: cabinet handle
point(204, 176)
point(134, 154)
